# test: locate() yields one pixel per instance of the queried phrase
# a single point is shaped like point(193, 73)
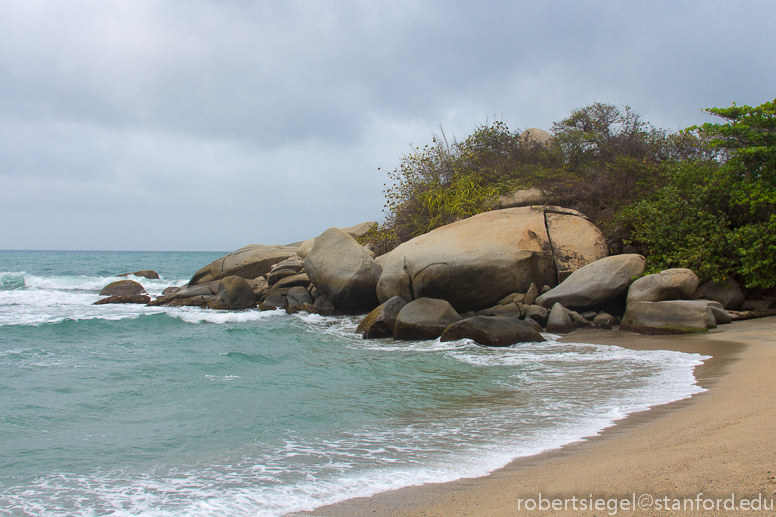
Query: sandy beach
point(713, 454)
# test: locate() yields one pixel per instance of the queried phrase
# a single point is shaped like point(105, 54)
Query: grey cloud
point(244, 118)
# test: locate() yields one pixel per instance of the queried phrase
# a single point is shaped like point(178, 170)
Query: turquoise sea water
point(133, 410)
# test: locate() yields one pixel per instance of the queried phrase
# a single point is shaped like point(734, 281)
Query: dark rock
point(324, 305)
point(720, 315)
point(424, 318)
point(298, 296)
point(274, 301)
point(125, 298)
point(729, 294)
point(558, 322)
point(146, 273)
point(192, 301)
point(589, 315)
point(534, 324)
point(512, 310)
point(122, 288)
point(169, 291)
point(382, 320)
point(537, 313)
point(492, 331)
point(604, 318)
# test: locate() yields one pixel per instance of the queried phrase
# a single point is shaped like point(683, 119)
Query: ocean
point(130, 410)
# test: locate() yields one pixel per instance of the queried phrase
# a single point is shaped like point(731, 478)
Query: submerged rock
point(146, 273)
point(122, 288)
point(492, 331)
point(125, 298)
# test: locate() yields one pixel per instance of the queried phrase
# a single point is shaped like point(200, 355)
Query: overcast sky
point(208, 125)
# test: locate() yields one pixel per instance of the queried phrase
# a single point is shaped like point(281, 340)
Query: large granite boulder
point(671, 284)
point(596, 284)
point(727, 293)
point(342, 270)
point(251, 261)
point(475, 262)
point(382, 320)
point(122, 288)
point(575, 241)
point(668, 317)
point(492, 331)
point(424, 318)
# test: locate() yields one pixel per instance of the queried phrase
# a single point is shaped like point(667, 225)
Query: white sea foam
point(196, 315)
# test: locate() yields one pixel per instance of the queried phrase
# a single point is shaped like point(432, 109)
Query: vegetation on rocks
point(703, 198)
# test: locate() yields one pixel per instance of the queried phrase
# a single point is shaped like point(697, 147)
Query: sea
point(128, 410)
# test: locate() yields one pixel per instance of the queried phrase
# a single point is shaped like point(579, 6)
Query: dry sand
point(717, 443)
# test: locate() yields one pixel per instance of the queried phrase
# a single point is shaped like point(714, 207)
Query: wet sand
point(720, 443)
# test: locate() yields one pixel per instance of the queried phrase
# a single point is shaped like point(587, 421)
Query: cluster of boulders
point(477, 278)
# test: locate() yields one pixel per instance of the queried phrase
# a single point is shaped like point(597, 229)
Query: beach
point(712, 454)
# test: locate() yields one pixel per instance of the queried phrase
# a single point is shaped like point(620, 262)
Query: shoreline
point(719, 442)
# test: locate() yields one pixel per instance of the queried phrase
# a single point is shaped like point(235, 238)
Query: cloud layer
point(209, 125)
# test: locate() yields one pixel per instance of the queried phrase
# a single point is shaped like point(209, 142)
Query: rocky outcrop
point(122, 288)
point(382, 320)
point(146, 273)
point(492, 331)
point(234, 293)
point(596, 284)
point(671, 284)
point(668, 317)
point(424, 318)
point(728, 293)
point(125, 298)
point(476, 262)
point(341, 269)
point(249, 262)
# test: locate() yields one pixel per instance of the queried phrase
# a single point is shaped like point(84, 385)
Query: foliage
point(718, 217)
point(449, 180)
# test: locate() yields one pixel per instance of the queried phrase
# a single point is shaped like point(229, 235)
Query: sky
point(208, 125)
